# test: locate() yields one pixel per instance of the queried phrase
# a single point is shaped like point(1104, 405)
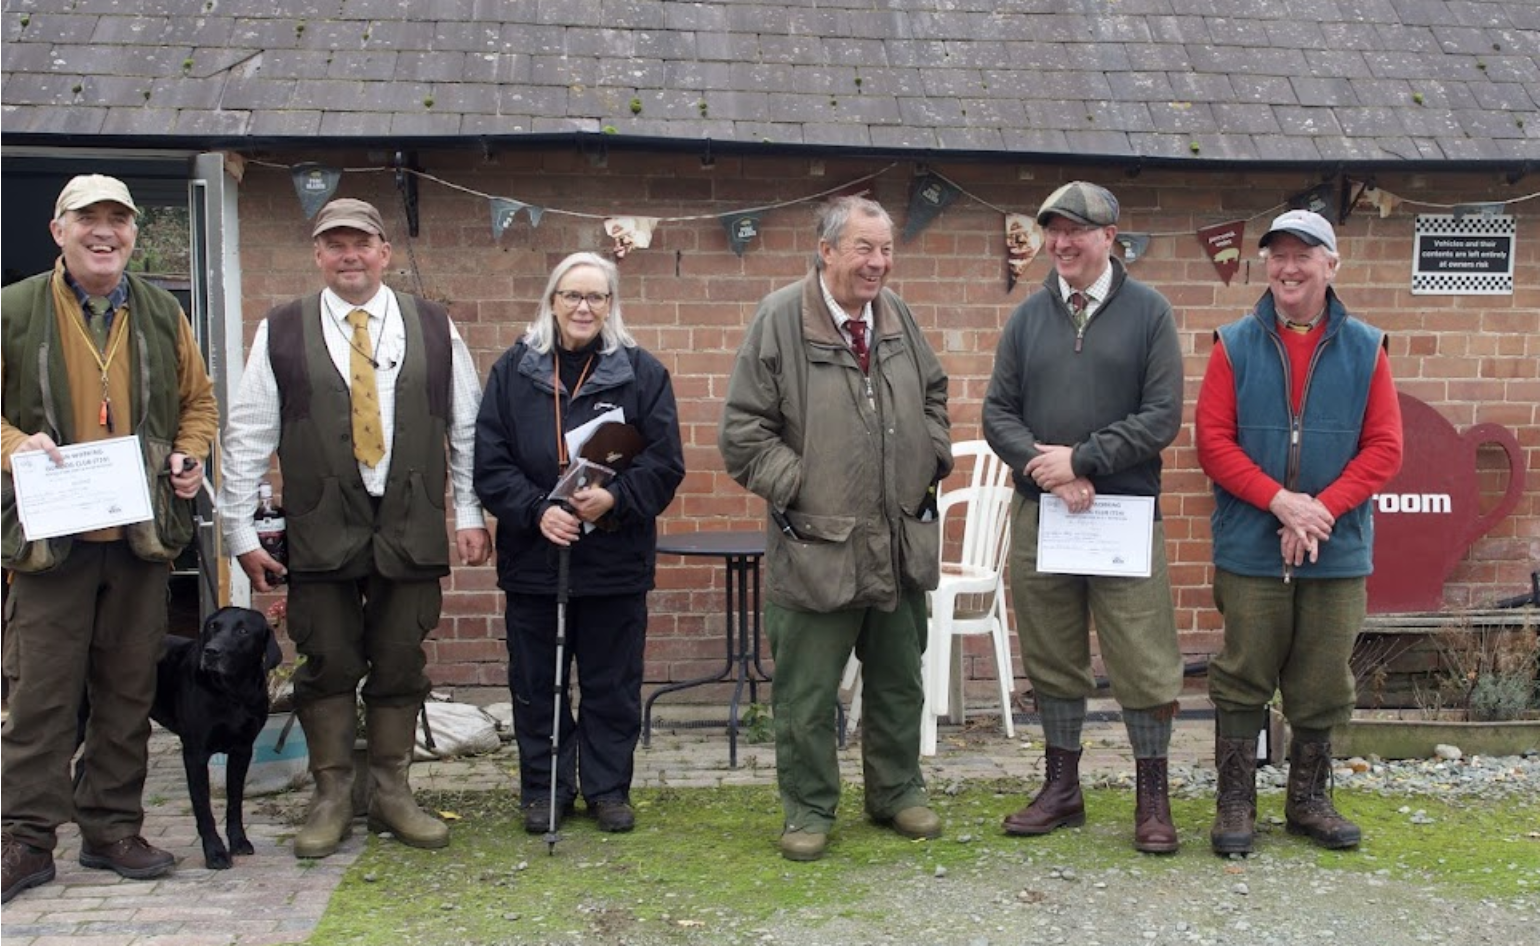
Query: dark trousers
point(95, 625)
point(362, 626)
point(606, 635)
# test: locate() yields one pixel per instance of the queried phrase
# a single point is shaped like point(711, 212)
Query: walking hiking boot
point(1058, 803)
point(1309, 810)
point(1235, 806)
point(130, 857)
point(26, 867)
point(802, 846)
point(614, 816)
point(1154, 832)
point(537, 815)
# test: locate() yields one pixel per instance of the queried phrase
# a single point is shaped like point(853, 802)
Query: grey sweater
point(1117, 402)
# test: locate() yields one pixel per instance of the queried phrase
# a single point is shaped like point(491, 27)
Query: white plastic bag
point(459, 730)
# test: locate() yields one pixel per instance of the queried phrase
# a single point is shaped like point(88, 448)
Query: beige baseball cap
point(350, 212)
point(84, 190)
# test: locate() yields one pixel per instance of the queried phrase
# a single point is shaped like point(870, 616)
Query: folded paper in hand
point(582, 473)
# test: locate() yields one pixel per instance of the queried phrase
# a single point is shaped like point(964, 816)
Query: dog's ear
point(274, 656)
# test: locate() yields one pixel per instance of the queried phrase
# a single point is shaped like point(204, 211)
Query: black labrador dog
point(212, 693)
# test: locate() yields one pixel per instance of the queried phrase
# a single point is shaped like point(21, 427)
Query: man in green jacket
point(90, 354)
point(836, 415)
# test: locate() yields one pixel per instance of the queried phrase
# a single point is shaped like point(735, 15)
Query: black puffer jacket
point(517, 465)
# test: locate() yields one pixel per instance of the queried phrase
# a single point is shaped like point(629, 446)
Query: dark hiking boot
point(1309, 810)
point(1235, 807)
point(26, 867)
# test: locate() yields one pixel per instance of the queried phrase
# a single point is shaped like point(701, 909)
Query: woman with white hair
point(576, 363)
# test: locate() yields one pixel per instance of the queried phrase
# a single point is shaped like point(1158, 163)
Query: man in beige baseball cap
point(352, 214)
point(84, 190)
point(90, 608)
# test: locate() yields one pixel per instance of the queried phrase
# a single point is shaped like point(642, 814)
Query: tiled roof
point(1378, 81)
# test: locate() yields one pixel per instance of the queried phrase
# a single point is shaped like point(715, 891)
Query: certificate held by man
point(1113, 538)
point(100, 484)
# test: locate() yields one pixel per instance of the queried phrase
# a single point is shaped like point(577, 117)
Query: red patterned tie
point(857, 330)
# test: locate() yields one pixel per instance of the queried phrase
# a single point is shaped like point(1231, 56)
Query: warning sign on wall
point(1463, 255)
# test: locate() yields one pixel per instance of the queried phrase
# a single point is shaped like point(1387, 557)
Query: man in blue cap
point(1086, 392)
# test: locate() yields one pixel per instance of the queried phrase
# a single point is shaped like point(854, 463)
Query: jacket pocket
point(920, 552)
point(317, 540)
point(19, 553)
point(816, 573)
point(170, 527)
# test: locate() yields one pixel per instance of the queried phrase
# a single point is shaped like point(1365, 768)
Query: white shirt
point(843, 319)
point(1096, 293)
point(255, 424)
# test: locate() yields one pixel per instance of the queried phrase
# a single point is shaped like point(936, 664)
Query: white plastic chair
point(983, 470)
point(969, 600)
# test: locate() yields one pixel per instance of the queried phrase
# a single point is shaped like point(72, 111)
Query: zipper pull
point(871, 401)
point(1079, 338)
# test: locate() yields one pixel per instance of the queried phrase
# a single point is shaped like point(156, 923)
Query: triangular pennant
point(1493, 209)
point(1023, 239)
point(1317, 199)
point(1223, 244)
point(504, 212)
point(630, 233)
point(741, 228)
point(930, 197)
point(1134, 245)
point(534, 214)
point(315, 184)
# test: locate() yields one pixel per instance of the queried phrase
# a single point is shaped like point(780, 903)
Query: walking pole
point(563, 560)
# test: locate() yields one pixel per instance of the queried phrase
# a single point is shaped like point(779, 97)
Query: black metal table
point(741, 550)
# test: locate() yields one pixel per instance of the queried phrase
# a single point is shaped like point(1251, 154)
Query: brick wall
point(688, 299)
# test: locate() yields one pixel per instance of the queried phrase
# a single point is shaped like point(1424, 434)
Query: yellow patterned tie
point(368, 436)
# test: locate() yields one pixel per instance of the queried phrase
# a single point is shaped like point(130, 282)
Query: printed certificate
point(101, 484)
point(1113, 538)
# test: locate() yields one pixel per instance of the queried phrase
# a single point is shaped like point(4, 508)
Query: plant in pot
point(1481, 696)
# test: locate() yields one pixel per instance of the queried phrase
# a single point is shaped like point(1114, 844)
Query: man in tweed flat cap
point(1086, 392)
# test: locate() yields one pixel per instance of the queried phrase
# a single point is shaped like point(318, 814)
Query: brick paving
point(271, 898)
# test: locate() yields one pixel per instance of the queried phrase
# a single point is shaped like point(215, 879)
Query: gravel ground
point(1277, 896)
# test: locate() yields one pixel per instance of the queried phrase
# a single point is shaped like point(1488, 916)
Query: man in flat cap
point(1086, 392)
point(367, 538)
point(87, 611)
point(1297, 425)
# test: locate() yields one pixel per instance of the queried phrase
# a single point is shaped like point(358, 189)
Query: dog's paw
point(217, 857)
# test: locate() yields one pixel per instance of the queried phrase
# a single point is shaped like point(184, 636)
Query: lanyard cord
point(561, 442)
point(331, 317)
point(104, 416)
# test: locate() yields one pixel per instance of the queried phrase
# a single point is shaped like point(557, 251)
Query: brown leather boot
point(1235, 807)
point(329, 724)
point(1153, 830)
point(1057, 804)
point(1309, 809)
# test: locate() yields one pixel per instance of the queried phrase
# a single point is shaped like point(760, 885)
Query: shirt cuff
point(469, 517)
point(241, 539)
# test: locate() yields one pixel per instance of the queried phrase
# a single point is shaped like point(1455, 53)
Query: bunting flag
point(506, 211)
point(1379, 199)
point(1134, 245)
point(315, 184)
point(1462, 211)
point(1023, 239)
point(929, 198)
point(1223, 245)
point(1317, 199)
point(741, 228)
point(630, 233)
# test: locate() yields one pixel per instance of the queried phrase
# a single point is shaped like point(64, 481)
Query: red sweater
point(1219, 450)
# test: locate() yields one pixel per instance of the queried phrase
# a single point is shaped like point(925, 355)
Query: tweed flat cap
point(1082, 202)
